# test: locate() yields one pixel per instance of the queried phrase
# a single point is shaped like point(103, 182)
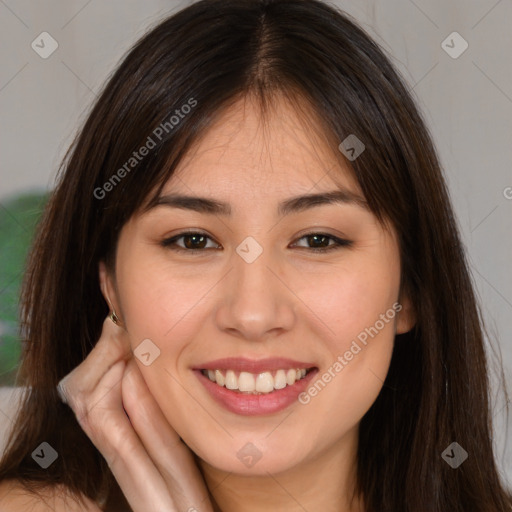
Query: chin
point(254, 458)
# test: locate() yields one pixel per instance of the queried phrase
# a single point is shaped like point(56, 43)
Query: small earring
point(113, 316)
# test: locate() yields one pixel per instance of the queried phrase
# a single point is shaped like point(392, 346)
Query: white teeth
point(246, 382)
point(219, 378)
point(231, 380)
point(291, 377)
point(263, 382)
point(280, 379)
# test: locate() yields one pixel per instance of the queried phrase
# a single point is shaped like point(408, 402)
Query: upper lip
point(243, 364)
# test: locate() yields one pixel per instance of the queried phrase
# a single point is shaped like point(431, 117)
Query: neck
point(325, 482)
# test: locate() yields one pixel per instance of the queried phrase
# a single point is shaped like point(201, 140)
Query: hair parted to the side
point(216, 52)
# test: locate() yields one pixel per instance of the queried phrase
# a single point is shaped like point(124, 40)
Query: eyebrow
point(292, 205)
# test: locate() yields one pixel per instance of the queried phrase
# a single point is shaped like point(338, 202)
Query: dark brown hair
point(213, 53)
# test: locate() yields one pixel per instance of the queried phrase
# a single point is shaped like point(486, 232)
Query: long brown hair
point(213, 53)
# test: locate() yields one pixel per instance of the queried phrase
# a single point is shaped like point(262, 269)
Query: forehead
point(246, 151)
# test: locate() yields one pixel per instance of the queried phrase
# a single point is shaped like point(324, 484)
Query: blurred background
point(454, 55)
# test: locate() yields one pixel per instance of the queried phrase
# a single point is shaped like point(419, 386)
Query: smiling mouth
point(256, 384)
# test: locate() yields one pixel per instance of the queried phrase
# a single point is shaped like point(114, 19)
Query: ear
point(107, 287)
point(406, 316)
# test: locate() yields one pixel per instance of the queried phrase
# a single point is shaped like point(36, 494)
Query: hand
point(154, 468)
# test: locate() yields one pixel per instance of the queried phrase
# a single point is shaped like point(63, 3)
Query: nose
point(255, 300)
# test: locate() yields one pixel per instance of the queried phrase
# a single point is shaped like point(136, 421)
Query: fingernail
point(61, 392)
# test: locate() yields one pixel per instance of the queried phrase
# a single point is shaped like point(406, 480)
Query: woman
point(251, 288)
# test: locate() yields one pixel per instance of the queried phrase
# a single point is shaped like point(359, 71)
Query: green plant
point(19, 216)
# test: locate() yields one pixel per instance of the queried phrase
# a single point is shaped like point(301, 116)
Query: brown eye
point(192, 241)
point(195, 241)
point(319, 242)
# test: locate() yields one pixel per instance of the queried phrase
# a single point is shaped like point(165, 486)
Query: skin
point(290, 302)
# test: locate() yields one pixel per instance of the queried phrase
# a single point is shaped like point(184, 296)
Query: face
point(250, 293)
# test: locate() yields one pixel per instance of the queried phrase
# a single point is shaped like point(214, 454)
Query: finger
point(112, 346)
point(110, 430)
point(172, 457)
point(101, 407)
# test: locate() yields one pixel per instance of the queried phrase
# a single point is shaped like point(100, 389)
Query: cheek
point(358, 310)
point(164, 306)
point(159, 303)
point(346, 301)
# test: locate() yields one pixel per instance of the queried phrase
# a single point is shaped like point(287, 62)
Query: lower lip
point(251, 405)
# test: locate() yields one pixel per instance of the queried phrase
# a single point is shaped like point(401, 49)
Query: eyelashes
point(195, 242)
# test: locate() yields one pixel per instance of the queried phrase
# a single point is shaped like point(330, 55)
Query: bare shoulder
point(14, 497)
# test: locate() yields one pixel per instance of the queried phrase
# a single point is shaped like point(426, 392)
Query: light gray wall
point(467, 102)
